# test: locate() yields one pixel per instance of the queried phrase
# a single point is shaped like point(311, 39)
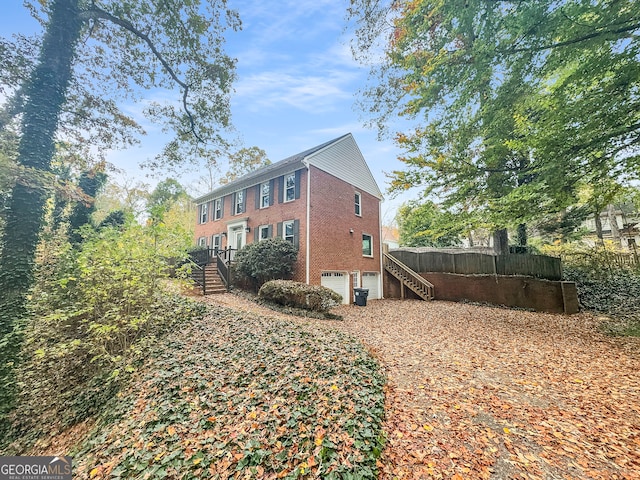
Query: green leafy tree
point(126, 43)
point(95, 310)
point(245, 161)
point(126, 194)
point(166, 193)
point(426, 225)
point(171, 211)
point(514, 104)
point(90, 184)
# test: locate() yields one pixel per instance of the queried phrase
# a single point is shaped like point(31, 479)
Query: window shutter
point(279, 230)
point(221, 207)
point(270, 231)
point(281, 189)
point(296, 233)
point(256, 235)
point(272, 186)
point(244, 200)
point(233, 203)
point(258, 196)
point(298, 175)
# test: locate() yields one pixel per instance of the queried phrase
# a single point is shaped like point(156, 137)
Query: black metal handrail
point(202, 256)
point(224, 259)
point(224, 268)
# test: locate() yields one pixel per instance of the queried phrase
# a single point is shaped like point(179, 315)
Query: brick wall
point(332, 215)
point(511, 291)
point(271, 215)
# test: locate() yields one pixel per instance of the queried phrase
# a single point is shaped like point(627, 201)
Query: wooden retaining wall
point(539, 266)
point(517, 280)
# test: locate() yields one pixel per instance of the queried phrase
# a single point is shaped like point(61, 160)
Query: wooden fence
point(540, 266)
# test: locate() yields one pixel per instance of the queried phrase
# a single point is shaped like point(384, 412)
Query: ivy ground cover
point(478, 392)
point(244, 395)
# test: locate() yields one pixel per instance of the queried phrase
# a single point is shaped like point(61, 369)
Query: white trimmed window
point(217, 209)
point(290, 187)
point(202, 241)
point(263, 232)
point(367, 245)
point(358, 204)
point(288, 231)
point(203, 212)
point(216, 241)
point(239, 204)
point(265, 194)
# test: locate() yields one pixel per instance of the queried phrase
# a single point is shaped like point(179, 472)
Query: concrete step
point(215, 291)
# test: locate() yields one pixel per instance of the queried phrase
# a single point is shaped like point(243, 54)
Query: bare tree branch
point(94, 12)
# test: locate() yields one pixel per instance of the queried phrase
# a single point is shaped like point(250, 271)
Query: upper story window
point(358, 204)
point(367, 245)
point(203, 212)
point(217, 209)
point(290, 187)
point(238, 205)
point(265, 194)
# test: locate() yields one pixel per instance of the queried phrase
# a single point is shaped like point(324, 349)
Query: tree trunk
point(599, 228)
point(46, 92)
point(501, 242)
point(613, 222)
point(522, 234)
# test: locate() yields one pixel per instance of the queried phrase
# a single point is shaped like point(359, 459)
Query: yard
point(482, 392)
point(472, 392)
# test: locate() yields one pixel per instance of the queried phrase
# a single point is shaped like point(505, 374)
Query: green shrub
point(299, 295)
point(612, 292)
point(95, 311)
point(269, 259)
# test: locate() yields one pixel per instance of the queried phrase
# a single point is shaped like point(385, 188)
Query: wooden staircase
point(212, 281)
point(408, 278)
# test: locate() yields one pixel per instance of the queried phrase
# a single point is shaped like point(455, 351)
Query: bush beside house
point(270, 259)
point(299, 295)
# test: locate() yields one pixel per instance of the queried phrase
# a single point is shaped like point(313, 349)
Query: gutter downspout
point(381, 276)
point(308, 236)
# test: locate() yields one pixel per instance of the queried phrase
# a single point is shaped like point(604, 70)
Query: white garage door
point(370, 281)
point(338, 282)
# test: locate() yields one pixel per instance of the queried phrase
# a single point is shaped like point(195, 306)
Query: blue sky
point(297, 84)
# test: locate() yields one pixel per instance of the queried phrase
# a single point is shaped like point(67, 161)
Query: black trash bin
point(361, 296)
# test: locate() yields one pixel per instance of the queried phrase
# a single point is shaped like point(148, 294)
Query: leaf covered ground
point(480, 392)
point(472, 392)
point(240, 395)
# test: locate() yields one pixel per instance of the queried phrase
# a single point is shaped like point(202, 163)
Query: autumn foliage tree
point(145, 44)
point(512, 105)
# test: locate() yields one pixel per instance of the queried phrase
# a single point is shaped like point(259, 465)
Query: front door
point(237, 240)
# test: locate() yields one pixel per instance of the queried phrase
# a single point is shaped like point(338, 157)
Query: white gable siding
point(344, 160)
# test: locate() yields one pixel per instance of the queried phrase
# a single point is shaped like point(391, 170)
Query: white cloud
point(309, 93)
point(270, 22)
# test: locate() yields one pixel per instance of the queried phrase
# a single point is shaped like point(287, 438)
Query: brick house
point(324, 200)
